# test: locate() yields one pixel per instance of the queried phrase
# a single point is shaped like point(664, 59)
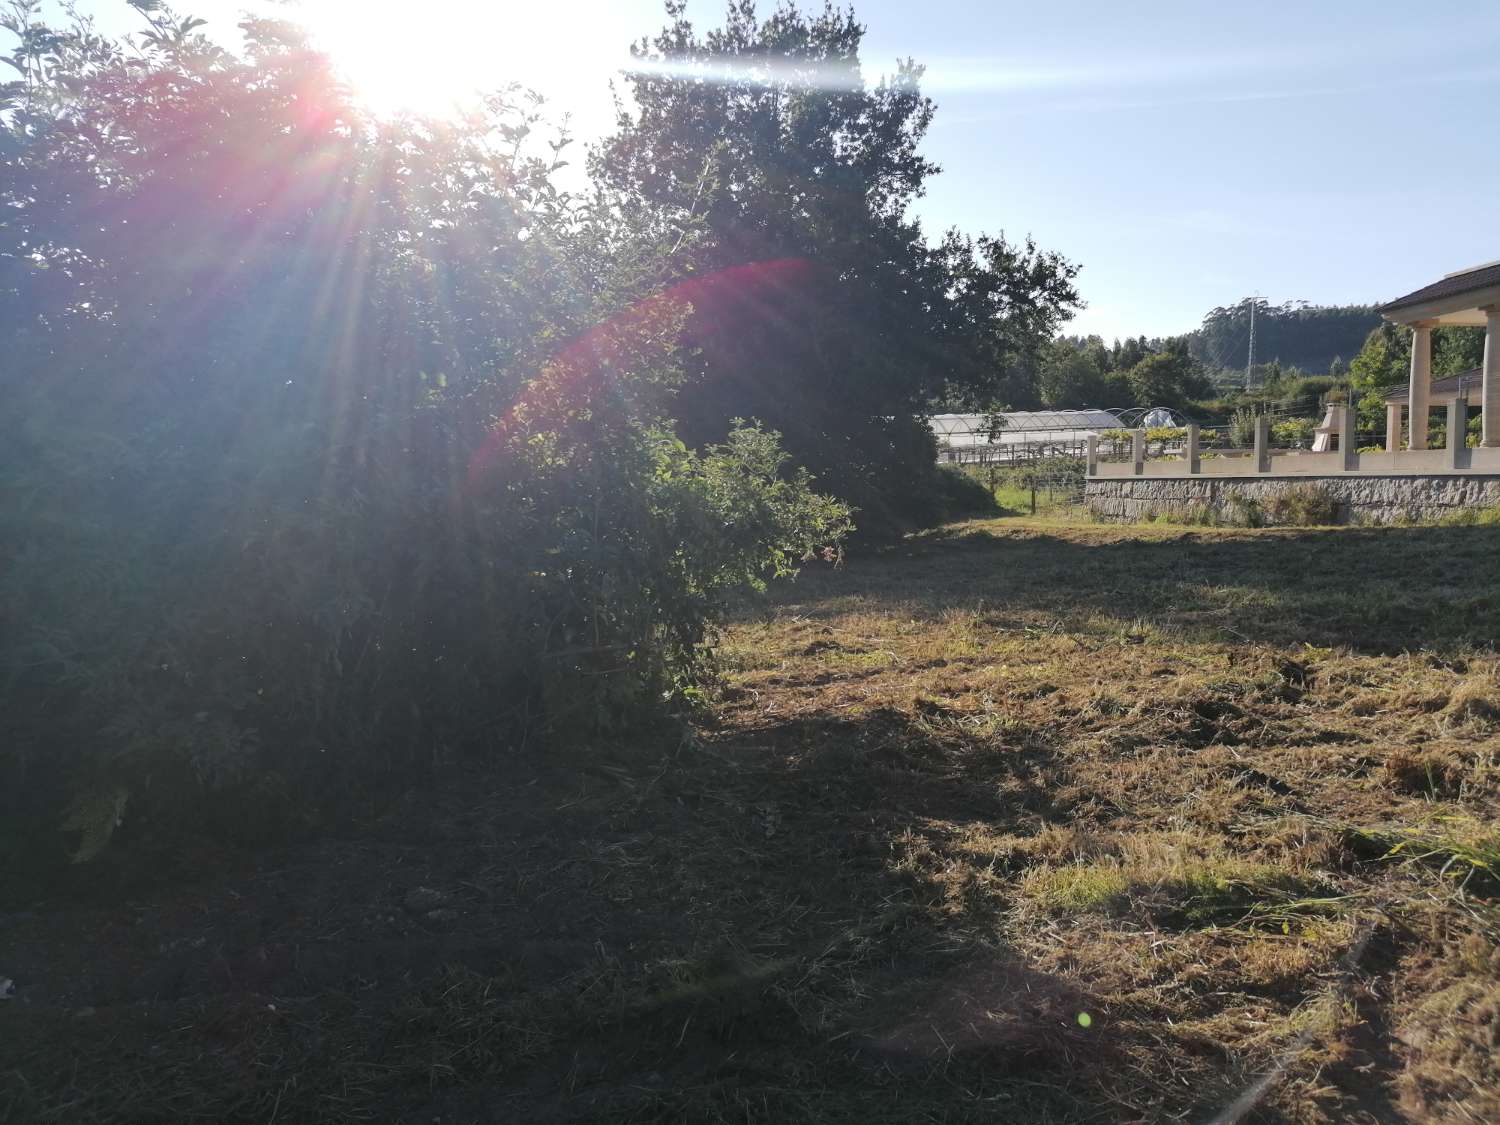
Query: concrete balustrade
point(1490, 379)
point(1466, 298)
point(1262, 460)
point(1458, 433)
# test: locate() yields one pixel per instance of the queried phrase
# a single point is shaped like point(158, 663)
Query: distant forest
point(1293, 335)
point(1293, 341)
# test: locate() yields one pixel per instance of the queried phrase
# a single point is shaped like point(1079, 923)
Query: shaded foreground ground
point(1028, 823)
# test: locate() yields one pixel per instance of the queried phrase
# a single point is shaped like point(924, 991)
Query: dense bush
point(1161, 438)
point(1305, 394)
point(330, 447)
point(1293, 433)
point(1242, 429)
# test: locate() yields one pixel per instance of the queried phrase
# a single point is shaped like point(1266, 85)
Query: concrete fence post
point(1348, 438)
point(1091, 454)
point(1262, 444)
point(1194, 462)
point(1138, 450)
point(1392, 427)
point(1458, 430)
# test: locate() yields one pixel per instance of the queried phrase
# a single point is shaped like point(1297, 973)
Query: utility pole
point(1250, 359)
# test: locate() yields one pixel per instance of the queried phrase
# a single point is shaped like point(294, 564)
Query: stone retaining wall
point(1362, 497)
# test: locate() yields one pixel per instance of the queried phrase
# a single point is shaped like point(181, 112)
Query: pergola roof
point(1444, 389)
point(1456, 299)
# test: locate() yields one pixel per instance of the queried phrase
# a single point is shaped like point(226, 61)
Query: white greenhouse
point(1021, 435)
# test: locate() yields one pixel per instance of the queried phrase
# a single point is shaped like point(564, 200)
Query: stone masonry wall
point(1362, 498)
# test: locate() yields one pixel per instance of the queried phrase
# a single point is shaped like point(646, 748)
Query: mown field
point(1014, 822)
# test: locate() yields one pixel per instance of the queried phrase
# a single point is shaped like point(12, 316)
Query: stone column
point(1489, 394)
point(1458, 429)
point(1421, 383)
point(1348, 437)
point(1091, 453)
point(1392, 427)
point(1138, 450)
point(1194, 462)
point(1262, 443)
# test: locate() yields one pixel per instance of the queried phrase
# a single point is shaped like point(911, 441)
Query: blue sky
point(1186, 154)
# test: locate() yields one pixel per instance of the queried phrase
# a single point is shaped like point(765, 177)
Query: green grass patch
point(1191, 894)
point(1458, 846)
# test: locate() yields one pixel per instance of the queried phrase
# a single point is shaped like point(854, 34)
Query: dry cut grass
point(1016, 821)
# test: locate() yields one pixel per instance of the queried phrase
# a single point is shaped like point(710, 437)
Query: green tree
point(786, 183)
point(330, 442)
point(1456, 349)
point(1168, 378)
point(1385, 362)
point(1130, 352)
point(1071, 377)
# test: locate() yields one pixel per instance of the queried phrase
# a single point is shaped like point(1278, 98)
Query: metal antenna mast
point(1250, 359)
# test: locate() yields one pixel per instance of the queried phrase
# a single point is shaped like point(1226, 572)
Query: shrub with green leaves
point(1293, 433)
point(330, 448)
point(1242, 429)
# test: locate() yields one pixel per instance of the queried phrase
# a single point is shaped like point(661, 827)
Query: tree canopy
point(786, 182)
point(1082, 371)
point(1294, 334)
point(1385, 362)
point(331, 442)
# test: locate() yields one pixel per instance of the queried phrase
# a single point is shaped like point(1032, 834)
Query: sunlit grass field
point(1016, 821)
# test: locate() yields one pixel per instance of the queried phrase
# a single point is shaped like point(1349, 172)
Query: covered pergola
point(1470, 298)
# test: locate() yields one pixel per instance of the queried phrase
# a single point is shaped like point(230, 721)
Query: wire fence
point(1043, 484)
point(1036, 461)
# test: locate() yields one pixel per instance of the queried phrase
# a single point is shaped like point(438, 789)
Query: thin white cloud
point(1106, 103)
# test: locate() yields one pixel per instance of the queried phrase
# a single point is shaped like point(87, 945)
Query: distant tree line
point(1309, 338)
point(1080, 371)
point(1202, 370)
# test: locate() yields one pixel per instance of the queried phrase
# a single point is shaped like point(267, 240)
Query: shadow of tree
point(774, 924)
point(1376, 590)
point(769, 928)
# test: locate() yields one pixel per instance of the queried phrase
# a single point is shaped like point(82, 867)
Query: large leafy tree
point(1072, 377)
point(786, 181)
point(1170, 377)
point(328, 442)
point(1385, 362)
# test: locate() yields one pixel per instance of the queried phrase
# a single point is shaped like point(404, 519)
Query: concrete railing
point(1262, 460)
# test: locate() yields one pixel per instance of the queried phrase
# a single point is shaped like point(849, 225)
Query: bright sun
point(439, 56)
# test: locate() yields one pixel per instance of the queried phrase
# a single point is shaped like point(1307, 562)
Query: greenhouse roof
point(1021, 427)
point(1026, 420)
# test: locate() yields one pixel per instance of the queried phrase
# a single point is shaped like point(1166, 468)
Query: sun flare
point(437, 63)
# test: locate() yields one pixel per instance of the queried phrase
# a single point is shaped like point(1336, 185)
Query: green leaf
point(95, 815)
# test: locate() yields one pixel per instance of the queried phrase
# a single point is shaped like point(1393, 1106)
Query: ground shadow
point(754, 931)
point(755, 923)
point(1377, 590)
point(746, 928)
